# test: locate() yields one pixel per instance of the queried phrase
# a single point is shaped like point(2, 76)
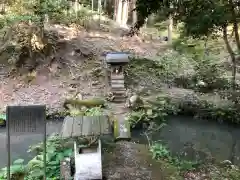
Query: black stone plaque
point(22, 120)
point(25, 120)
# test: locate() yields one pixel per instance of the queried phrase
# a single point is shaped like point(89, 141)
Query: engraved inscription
point(26, 119)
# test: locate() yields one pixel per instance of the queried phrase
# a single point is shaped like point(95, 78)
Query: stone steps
point(118, 88)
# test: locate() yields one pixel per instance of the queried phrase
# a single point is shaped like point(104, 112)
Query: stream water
point(193, 139)
point(201, 139)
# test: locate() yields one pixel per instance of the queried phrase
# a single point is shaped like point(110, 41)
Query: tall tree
point(205, 18)
point(119, 11)
point(125, 12)
point(99, 6)
point(134, 12)
point(3, 7)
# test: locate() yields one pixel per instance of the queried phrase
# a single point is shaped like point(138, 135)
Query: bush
point(190, 104)
point(57, 150)
point(203, 75)
point(154, 111)
point(165, 68)
point(212, 74)
point(81, 17)
point(205, 108)
point(174, 65)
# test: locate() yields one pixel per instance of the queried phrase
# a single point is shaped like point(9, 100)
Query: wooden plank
point(77, 126)
point(67, 127)
point(105, 125)
point(90, 126)
point(85, 126)
point(96, 126)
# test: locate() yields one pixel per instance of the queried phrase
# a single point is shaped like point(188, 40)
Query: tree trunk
point(125, 13)
point(76, 6)
point(170, 28)
point(115, 10)
point(99, 6)
point(134, 12)
point(235, 29)
point(235, 25)
point(233, 57)
point(146, 22)
point(119, 12)
point(105, 2)
point(3, 7)
point(92, 5)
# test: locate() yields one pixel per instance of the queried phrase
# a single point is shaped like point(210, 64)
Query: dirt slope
point(76, 66)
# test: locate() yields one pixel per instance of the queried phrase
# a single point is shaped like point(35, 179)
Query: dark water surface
point(199, 139)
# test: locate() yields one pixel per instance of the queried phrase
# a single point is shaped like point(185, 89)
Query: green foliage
point(145, 8)
point(198, 47)
point(189, 46)
point(56, 151)
point(181, 167)
point(211, 72)
point(137, 117)
point(156, 111)
point(205, 107)
point(10, 19)
point(230, 173)
point(51, 7)
point(162, 26)
point(199, 106)
point(95, 111)
point(165, 68)
point(3, 117)
point(173, 65)
point(200, 18)
point(17, 169)
point(34, 169)
point(161, 152)
point(82, 17)
point(205, 75)
point(182, 70)
point(58, 12)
